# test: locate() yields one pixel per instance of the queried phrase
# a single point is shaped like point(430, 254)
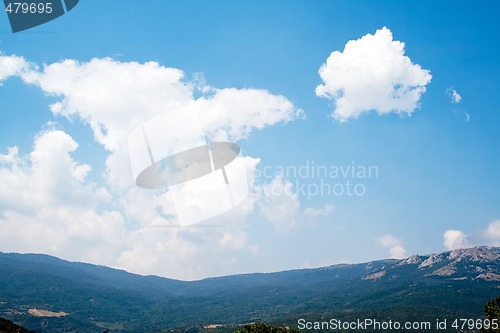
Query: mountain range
point(47, 294)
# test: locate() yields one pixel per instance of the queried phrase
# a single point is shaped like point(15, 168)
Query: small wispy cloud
point(313, 213)
point(280, 205)
point(395, 246)
point(455, 97)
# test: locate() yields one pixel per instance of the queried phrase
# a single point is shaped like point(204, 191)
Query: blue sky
point(438, 160)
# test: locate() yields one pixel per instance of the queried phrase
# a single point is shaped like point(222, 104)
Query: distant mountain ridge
point(483, 260)
point(452, 284)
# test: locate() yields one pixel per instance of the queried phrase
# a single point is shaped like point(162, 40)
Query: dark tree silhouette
point(6, 326)
point(492, 311)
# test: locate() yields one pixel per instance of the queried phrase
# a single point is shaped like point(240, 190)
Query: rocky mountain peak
point(478, 255)
point(482, 262)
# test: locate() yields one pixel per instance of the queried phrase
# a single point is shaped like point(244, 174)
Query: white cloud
point(455, 97)
point(372, 73)
point(48, 176)
point(455, 239)
point(11, 66)
point(158, 246)
point(314, 213)
point(48, 205)
point(395, 246)
point(492, 233)
point(279, 204)
point(397, 252)
point(388, 241)
point(185, 253)
point(11, 157)
point(231, 114)
point(112, 98)
point(115, 97)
